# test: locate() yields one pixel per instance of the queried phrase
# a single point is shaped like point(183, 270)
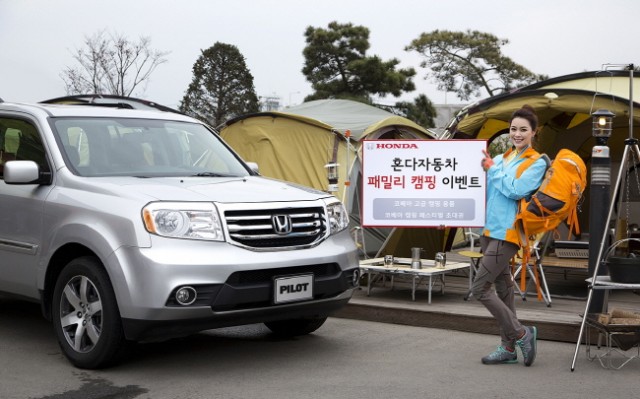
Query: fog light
point(186, 295)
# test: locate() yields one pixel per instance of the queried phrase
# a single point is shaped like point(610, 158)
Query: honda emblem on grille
point(281, 224)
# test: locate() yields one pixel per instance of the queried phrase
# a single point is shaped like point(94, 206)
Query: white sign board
point(423, 183)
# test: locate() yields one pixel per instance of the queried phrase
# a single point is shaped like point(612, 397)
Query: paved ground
point(343, 359)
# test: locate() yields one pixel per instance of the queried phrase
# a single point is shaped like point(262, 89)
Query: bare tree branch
point(112, 64)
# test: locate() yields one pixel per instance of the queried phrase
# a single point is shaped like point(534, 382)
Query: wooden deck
point(565, 263)
point(558, 322)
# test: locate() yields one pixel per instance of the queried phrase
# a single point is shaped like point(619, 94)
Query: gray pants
point(495, 269)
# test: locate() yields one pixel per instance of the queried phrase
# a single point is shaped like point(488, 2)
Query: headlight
point(195, 220)
point(338, 218)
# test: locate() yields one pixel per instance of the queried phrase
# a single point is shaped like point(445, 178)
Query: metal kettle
point(416, 262)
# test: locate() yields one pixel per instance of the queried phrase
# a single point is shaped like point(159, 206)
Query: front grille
point(276, 228)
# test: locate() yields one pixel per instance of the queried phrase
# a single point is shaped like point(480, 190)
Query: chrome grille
point(276, 228)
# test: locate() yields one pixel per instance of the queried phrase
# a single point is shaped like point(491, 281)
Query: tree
point(499, 145)
point(421, 111)
point(337, 66)
point(111, 64)
point(467, 63)
point(222, 86)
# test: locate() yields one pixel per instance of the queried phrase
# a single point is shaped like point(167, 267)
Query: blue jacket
point(504, 191)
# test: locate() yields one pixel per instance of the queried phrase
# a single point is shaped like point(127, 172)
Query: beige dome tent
point(296, 144)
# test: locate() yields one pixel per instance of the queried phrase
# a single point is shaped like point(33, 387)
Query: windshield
point(144, 148)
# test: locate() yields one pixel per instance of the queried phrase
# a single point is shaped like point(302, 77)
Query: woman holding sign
point(499, 241)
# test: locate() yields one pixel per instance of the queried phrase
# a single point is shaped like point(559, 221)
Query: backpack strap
point(525, 164)
point(572, 222)
point(530, 160)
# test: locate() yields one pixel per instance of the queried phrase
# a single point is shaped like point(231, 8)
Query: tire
point(292, 328)
point(85, 315)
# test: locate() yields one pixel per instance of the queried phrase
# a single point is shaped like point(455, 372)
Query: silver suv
point(131, 225)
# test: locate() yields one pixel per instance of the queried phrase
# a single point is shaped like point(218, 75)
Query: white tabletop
point(605, 281)
point(403, 265)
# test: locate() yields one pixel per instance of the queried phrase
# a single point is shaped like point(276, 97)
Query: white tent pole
point(347, 182)
point(349, 169)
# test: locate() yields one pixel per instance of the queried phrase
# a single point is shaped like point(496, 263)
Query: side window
point(11, 141)
point(20, 140)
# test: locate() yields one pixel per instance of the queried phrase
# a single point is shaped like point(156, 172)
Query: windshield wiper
point(211, 174)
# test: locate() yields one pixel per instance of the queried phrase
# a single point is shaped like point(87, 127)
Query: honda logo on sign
point(281, 224)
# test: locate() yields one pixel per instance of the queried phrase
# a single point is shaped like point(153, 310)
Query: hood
point(215, 189)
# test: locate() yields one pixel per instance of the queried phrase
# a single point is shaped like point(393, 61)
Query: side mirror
point(23, 172)
point(254, 167)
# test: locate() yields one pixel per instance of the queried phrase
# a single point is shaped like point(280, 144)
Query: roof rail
point(109, 100)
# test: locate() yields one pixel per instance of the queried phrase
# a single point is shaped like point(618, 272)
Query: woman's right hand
point(487, 162)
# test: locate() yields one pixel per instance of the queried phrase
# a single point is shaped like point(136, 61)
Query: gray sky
point(552, 37)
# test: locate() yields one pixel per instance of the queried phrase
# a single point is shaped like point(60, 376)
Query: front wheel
point(85, 314)
point(292, 328)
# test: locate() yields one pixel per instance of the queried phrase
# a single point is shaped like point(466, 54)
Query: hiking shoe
point(527, 345)
point(501, 356)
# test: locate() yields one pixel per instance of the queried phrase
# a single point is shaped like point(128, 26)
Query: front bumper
point(155, 330)
point(234, 285)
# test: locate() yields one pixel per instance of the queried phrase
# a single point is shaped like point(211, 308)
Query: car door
point(21, 208)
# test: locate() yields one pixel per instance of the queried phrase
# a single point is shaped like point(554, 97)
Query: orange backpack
point(557, 198)
point(554, 202)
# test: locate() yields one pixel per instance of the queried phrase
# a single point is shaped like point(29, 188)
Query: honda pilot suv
point(136, 225)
